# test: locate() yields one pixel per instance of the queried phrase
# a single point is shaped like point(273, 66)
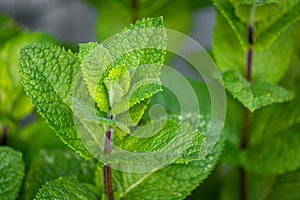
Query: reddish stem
point(107, 171)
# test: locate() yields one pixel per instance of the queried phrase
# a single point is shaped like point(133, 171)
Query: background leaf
point(254, 95)
point(52, 164)
point(11, 173)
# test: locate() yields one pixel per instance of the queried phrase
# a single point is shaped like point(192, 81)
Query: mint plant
point(120, 87)
point(101, 101)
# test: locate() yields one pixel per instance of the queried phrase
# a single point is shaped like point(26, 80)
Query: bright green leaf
point(174, 182)
point(48, 74)
point(95, 65)
point(169, 138)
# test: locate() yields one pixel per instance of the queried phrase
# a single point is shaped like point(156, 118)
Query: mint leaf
point(117, 84)
point(11, 173)
point(175, 181)
point(95, 65)
point(178, 142)
point(254, 95)
point(48, 73)
point(49, 165)
point(65, 188)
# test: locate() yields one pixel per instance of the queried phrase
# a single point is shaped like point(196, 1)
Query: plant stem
point(4, 135)
point(247, 114)
point(250, 53)
point(135, 8)
point(107, 171)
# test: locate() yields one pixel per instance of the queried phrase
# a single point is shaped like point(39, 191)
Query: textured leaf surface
point(49, 165)
point(118, 76)
point(173, 139)
point(254, 95)
point(11, 173)
point(140, 48)
point(65, 188)
point(267, 64)
point(48, 73)
point(175, 181)
point(95, 65)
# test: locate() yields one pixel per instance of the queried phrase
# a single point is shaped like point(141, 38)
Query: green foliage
point(254, 95)
point(49, 165)
point(65, 188)
point(175, 181)
point(230, 55)
point(113, 86)
point(48, 74)
point(269, 26)
point(8, 29)
point(115, 15)
point(11, 173)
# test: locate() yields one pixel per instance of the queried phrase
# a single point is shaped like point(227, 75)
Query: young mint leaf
point(174, 182)
point(48, 74)
point(95, 65)
point(254, 95)
point(129, 70)
point(117, 84)
point(65, 188)
point(49, 165)
point(230, 55)
point(11, 173)
point(134, 115)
